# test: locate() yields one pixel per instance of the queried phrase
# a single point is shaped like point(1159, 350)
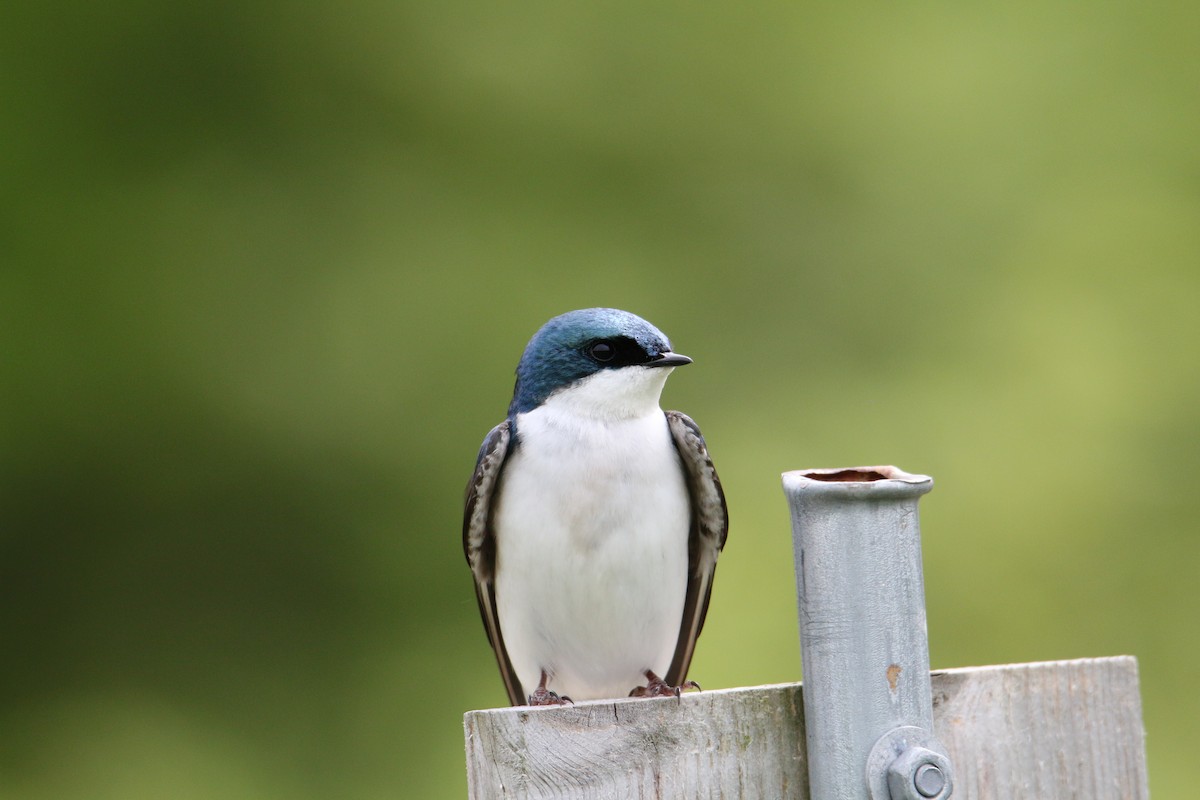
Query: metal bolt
point(916, 773)
point(929, 780)
point(907, 763)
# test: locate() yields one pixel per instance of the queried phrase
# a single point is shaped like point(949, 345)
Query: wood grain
point(1062, 729)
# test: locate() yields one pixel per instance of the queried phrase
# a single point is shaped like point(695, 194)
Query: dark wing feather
point(479, 544)
point(710, 525)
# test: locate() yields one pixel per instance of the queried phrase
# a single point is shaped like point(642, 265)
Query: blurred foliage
point(266, 268)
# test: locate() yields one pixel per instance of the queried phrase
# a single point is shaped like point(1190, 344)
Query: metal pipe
point(868, 708)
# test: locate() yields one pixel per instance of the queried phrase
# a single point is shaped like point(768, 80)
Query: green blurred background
point(266, 268)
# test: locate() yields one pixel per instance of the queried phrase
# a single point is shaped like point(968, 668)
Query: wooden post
point(1062, 729)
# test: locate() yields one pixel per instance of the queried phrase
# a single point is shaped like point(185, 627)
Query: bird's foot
point(544, 697)
point(657, 687)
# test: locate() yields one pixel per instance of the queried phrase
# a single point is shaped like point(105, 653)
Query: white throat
point(612, 394)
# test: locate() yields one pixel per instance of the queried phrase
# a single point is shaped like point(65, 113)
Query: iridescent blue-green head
point(578, 345)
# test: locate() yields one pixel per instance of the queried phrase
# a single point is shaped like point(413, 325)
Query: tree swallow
point(594, 519)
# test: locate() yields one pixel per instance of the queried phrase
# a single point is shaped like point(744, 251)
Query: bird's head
point(606, 361)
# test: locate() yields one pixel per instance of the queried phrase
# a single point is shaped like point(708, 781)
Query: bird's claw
point(543, 696)
point(657, 687)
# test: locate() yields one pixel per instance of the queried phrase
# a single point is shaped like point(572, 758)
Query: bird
point(594, 519)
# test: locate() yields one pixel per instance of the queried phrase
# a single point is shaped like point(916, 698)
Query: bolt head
point(919, 773)
point(929, 780)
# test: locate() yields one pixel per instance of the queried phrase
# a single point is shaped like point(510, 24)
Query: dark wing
point(479, 544)
point(710, 524)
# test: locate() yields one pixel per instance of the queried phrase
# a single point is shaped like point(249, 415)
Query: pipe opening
point(847, 476)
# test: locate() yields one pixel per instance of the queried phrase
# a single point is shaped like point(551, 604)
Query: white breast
point(592, 545)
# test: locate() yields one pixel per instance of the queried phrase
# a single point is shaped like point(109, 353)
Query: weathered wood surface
point(731, 743)
point(1063, 729)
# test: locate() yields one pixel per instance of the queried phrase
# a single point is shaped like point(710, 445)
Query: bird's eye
point(602, 351)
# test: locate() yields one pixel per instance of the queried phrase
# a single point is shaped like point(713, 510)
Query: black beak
point(669, 359)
